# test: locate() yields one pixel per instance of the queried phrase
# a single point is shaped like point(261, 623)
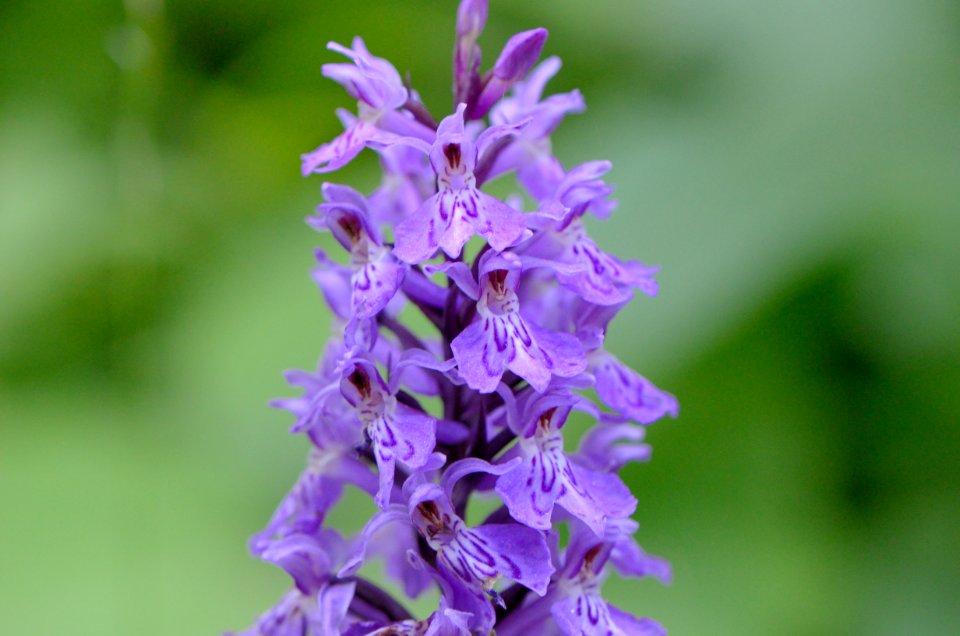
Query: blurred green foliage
point(793, 166)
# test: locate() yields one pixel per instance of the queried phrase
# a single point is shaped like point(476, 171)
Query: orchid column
point(519, 299)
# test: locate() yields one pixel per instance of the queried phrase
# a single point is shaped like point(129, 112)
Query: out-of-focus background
point(794, 167)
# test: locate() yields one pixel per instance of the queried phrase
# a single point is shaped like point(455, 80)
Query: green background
point(793, 165)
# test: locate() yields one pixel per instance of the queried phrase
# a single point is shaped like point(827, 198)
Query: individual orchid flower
point(373, 277)
point(574, 605)
point(317, 490)
point(501, 339)
point(379, 91)
point(320, 602)
point(564, 246)
point(622, 389)
point(471, 560)
point(397, 432)
point(582, 611)
point(547, 477)
point(629, 393)
point(320, 412)
point(579, 609)
point(458, 210)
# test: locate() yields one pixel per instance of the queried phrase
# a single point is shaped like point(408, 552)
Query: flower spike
point(467, 333)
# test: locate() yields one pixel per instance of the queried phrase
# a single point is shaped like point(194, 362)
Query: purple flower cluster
point(517, 298)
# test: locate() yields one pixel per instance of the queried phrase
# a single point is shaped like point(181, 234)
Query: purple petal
point(627, 392)
point(416, 436)
point(479, 360)
point(286, 618)
point(521, 554)
point(339, 152)
point(370, 79)
point(608, 447)
point(541, 176)
point(631, 626)
point(334, 281)
point(459, 215)
point(374, 285)
point(584, 615)
point(519, 54)
point(500, 224)
point(629, 558)
point(471, 17)
point(460, 274)
point(564, 351)
point(460, 469)
point(603, 495)
point(417, 236)
point(333, 602)
point(395, 514)
point(302, 557)
point(525, 495)
point(410, 439)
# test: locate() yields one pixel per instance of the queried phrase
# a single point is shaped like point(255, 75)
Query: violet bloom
point(379, 91)
point(469, 560)
point(502, 339)
point(458, 210)
point(618, 386)
point(437, 391)
point(365, 287)
point(546, 476)
point(564, 246)
point(396, 431)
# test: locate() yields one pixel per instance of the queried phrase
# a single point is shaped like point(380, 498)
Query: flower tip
point(519, 54)
point(471, 17)
point(339, 48)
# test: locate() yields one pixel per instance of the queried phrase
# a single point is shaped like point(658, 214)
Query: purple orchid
point(438, 390)
point(564, 246)
point(365, 287)
point(546, 476)
point(396, 431)
point(578, 607)
point(458, 210)
point(471, 18)
point(380, 92)
point(502, 339)
point(469, 560)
